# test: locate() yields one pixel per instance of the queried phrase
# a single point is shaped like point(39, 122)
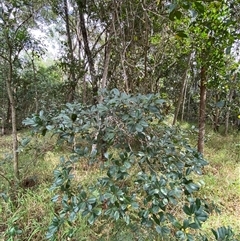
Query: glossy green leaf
point(199, 6)
point(92, 219)
point(92, 200)
point(194, 226)
point(97, 211)
point(187, 210)
point(181, 34)
point(139, 128)
point(116, 215)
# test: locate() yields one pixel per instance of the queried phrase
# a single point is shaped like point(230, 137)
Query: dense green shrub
point(147, 165)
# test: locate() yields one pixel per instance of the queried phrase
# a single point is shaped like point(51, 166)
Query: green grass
point(221, 177)
point(222, 180)
point(31, 210)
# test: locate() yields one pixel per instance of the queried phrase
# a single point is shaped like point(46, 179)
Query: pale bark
point(216, 116)
point(202, 111)
point(105, 70)
point(73, 80)
point(184, 101)
point(146, 45)
point(3, 126)
point(230, 98)
point(35, 81)
point(106, 62)
point(14, 118)
point(124, 46)
point(184, 83)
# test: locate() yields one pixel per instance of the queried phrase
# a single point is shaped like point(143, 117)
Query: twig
point(2, 175)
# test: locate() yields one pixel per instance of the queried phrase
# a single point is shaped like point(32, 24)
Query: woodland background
point(180, 55)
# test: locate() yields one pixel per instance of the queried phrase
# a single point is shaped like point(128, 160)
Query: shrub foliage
point(147, 167)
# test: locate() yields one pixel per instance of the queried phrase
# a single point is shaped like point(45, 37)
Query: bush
point(148, 167)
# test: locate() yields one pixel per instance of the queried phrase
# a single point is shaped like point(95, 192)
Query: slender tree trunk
point(125, 77)
point(228, 112)
point(189, 107)
point(146, 46)
point(73, 80)
point(35, 81)
point(101, 144)
point(14, 119)
point(106, 65)
point(184, 101)
point(230, 98)
point(122, 51)
point(3, 125)
point(84, 89)
point(202, 111)
point(81, 7)
point(106, 60)
point(8, 117)
point(4, 102)
point(216, 120)
point(184, 81)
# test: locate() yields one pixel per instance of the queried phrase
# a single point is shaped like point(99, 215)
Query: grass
point(222, 179)
point(30, 209)
point(222, 176)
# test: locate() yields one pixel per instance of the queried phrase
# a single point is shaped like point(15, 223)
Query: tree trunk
point(106, 60)
point(230, 98)
point(184, 81)
point(146, 47)
point(84, 89)
point(94, 82)
point(216, 123)
point(184, 101)
point(73, 80)
point(36, 84)
point(3, 126)
point(8, 117)
point(202, 111)
point(228, 112)
point(14, 119)
point(122, 52)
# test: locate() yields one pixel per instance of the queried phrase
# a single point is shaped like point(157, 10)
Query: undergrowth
point(26, 213)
